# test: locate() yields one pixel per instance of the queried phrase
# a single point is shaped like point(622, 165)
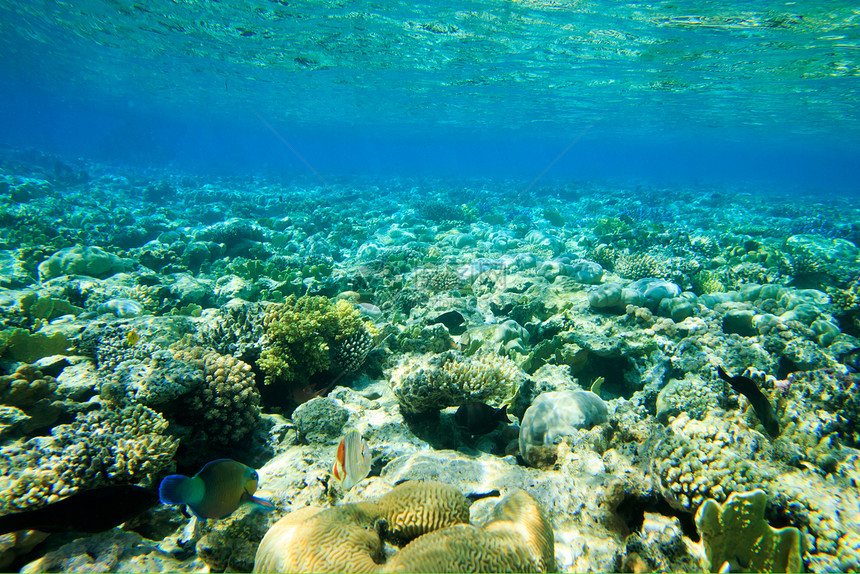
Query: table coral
point(449, 379)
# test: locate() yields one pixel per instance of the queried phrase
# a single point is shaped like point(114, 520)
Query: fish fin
point(266, 505)
point(173, 489)
point(723, 374)
point(503, 414)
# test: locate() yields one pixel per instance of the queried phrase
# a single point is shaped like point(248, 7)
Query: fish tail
point(174, 489)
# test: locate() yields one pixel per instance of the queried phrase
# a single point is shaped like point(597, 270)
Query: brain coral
point(449, 379)
point(349, 538)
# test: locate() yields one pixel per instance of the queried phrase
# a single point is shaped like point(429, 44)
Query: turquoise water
point(713, 90)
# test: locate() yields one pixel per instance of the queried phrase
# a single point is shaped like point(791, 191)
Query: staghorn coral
point(738, 534)
point(449, 379)
point(108, 446)
point(349, 538)
point(303, 335)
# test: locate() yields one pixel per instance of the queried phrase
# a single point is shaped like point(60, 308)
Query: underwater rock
point(740, 322)
point(122, 308)
point(82, 260)
point(649, 292)
point(556, 415)
point(607, 297)
point(320, 420)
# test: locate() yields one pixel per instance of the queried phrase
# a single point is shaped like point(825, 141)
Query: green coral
point(705, 282)
point(423, 384)
point(304, 336)
point(737, 533)
point(19, 344)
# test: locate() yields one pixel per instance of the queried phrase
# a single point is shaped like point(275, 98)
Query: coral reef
point(430, 517)
point(107, 446)
point(737, 534)
point(449, 379)
point(307, 336)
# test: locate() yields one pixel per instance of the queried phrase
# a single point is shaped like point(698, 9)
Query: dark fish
point(216, 491)
point(480, 418)
point(453, 321)
point(851, 360)
point(87, 511)
point(762, 407)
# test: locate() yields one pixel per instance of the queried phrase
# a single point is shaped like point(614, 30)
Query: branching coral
point(310, 335)
point(449, 379)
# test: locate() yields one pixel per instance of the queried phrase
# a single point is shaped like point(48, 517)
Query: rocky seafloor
point(153, 321)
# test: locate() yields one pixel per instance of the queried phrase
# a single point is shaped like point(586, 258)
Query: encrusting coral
point(434, 515)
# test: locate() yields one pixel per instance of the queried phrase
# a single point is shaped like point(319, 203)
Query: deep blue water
point(746, 93)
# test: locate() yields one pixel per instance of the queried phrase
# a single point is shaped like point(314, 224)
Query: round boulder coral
point(556, 415)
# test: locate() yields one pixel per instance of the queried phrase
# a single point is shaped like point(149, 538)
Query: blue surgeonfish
point(352, 461)
point(214, 492)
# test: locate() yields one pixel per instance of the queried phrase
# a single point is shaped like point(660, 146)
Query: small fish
point(595, 386)
point(480, 418)
point(92, 510)
point(352, 462)
point(216, 491)
point(132, 338)
point(762, 407)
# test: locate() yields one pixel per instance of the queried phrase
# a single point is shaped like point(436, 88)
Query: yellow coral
point(302, 333)
point(348, 538)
